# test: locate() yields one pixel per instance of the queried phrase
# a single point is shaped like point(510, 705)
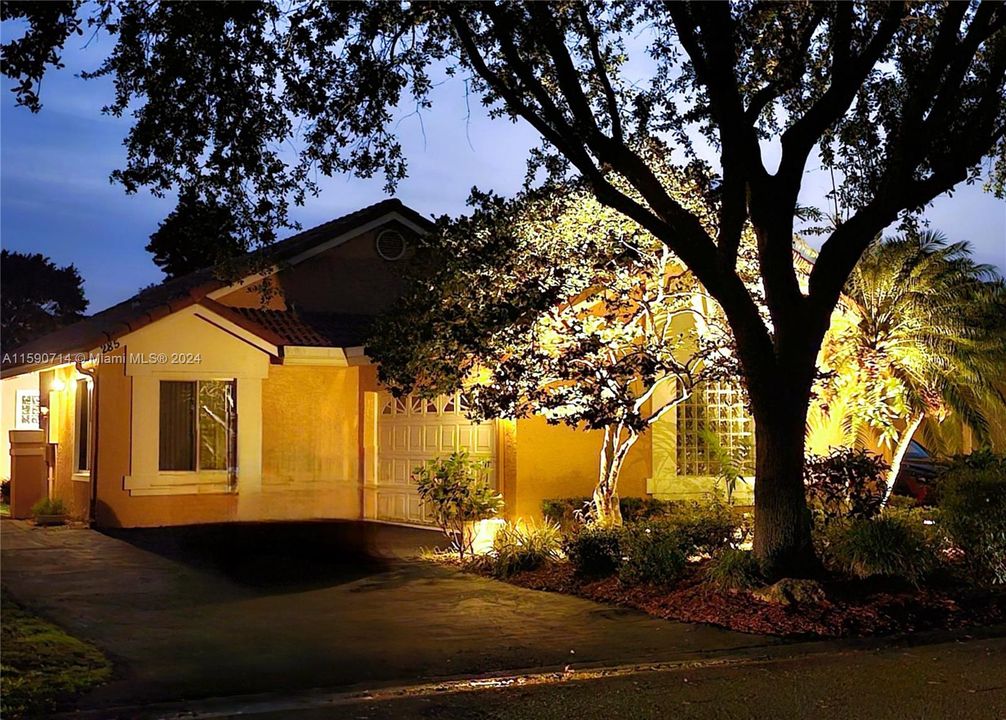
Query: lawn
point(42, 666)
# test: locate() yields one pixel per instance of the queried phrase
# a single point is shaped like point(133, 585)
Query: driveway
point(224, 610)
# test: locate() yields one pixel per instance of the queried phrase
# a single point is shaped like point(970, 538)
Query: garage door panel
point(412, 431)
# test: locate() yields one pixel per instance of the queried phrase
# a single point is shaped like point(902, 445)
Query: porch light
point(58, 385)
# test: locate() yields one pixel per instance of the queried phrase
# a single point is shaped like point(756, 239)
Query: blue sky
point(55, 197)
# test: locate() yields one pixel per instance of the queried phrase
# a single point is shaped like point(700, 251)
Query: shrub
point(517, 548)
point(565, 512)
point(651, 553)
point(733, 569)
point(5, 490)
point(568, 512)
point(48, 506)
point(973, 516)
point(636, 509)
point(885, 546)
point(700, 527)
point(848, 483)
point(457, 490)
point(594, 551)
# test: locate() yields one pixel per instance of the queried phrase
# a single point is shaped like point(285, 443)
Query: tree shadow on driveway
point(277, 557)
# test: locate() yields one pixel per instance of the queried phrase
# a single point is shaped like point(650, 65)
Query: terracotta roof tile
point(171, 296)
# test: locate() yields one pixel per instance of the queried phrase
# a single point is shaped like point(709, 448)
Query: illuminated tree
point(926, 337)
point(556, 306)
point(903, 101)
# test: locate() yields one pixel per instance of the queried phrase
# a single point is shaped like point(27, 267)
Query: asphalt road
point(965, 681)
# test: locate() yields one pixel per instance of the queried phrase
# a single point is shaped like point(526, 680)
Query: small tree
point(556, 306)
point(457, 490)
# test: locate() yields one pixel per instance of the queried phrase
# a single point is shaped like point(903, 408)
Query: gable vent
point(390, 245)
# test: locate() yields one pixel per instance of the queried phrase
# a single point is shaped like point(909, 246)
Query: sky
point(56, 199)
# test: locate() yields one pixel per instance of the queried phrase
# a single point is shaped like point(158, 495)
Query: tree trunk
point(614, 449)
point(899, 454)
point(782, 523)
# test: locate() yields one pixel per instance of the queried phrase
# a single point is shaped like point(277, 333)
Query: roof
point(157, 302)
point(299, 328)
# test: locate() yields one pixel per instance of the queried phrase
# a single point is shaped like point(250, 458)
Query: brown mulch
point(853, 609)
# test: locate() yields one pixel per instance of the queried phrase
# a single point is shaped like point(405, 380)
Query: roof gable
point(154, 303)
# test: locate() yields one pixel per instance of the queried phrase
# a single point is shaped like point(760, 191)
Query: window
point(198, 425)
point(716, 407)
point(82, 427)
point(26, 410)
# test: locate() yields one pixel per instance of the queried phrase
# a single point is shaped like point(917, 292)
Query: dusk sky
point(56, 197)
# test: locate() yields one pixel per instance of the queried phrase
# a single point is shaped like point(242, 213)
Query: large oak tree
point(902, 100)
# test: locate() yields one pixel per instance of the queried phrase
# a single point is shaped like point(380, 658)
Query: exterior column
point(28, 471)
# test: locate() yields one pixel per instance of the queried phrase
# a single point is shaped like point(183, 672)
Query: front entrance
point(411, 431)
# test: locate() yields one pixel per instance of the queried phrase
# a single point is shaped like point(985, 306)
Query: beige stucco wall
point(556, 461)
point(311, 444)
point(58, 388)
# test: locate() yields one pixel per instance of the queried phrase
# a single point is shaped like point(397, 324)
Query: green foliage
point(38, 297)
point(973, 515)
point(701, 528)
point(734, 569)
point(456, 489)
point(885, 546)
point(731, 464)
point(651, 553)
point(48, 506)
point(521, 547)
point(199, 233)
point(565, 512)
point(847, 483)
point(569, 511)
point(983, 459)
point(43, 666)
point(594, 551)
point(928, 339)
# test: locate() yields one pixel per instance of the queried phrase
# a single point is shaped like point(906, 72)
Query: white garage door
point(410, 432)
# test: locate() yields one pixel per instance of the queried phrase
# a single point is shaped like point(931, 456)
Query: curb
point(321, 698)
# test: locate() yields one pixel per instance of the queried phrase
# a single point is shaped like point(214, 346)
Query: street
point(965, 681)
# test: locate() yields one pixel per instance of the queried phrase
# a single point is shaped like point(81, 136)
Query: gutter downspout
point(93, 473)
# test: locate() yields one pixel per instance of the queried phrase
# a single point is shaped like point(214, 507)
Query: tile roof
point(157, 302)
point(305, 329)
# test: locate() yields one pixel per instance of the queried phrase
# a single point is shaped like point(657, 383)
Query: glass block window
point(716, 407)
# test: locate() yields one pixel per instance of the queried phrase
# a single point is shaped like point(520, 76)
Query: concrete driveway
point(225, 610)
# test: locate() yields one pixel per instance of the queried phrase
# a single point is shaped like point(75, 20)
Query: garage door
point(411, 431)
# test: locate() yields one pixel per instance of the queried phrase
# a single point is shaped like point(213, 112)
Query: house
point(206, 400)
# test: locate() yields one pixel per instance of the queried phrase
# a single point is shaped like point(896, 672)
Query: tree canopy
point(551, 304)
point(901, 100)
point(198, 233)
point(38, 297)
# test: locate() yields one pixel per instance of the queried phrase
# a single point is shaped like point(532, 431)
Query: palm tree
point(928, 340)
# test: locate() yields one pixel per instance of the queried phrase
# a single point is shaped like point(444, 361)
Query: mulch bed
point(853, 608)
